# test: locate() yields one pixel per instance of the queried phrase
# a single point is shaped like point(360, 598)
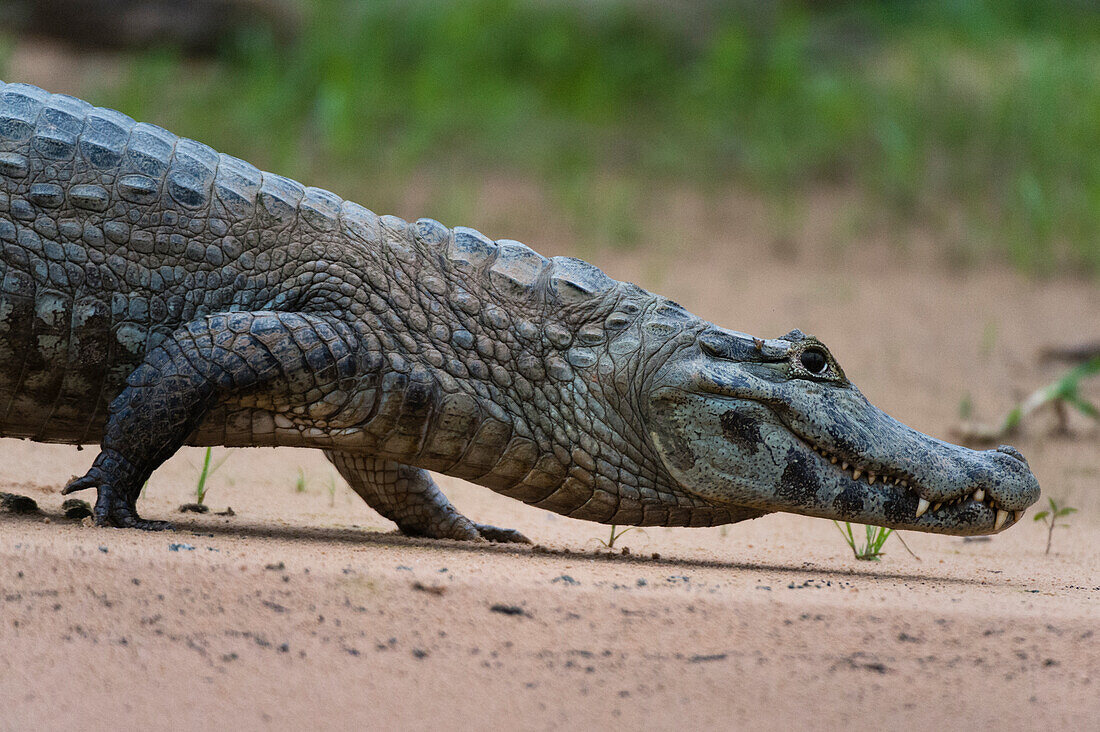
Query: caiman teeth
point(924, 505)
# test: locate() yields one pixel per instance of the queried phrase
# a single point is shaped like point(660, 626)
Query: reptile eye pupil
point(814, 361)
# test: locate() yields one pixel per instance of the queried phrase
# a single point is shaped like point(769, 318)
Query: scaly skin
point(156, 293)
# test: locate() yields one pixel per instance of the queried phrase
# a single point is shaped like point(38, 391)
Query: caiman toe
point(504, 536)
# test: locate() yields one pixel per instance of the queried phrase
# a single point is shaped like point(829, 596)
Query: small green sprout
point(615, 534)
point(300, 483)
point(1050, 518)
point(205, 473)
point(872, 549)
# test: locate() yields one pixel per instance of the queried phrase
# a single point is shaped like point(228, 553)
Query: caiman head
point(775, 425)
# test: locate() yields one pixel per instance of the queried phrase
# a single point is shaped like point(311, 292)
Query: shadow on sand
point(355, 535)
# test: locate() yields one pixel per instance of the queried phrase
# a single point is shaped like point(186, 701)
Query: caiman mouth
point(887, 478)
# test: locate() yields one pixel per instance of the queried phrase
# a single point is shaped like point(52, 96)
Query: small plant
point(616, 532)
point(1050, 518)
point(872, 549)
point(300, 484)
point(1061, 394)
point(205, 473)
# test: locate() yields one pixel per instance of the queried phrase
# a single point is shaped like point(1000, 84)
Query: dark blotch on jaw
point(849, 503)
point(799, 483)
point(741, 430)
point(900, 508)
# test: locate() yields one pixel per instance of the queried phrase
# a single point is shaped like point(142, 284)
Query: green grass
point(871, 549)
point(201, 489)
point(976, 121)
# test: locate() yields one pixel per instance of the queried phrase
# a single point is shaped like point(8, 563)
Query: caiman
point(156, 293)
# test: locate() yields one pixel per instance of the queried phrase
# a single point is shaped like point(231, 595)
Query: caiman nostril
point(1010, 450)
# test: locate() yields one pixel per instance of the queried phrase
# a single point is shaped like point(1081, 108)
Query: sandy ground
point(306, 609)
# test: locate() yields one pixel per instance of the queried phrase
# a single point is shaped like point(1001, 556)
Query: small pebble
point(76, 509)
point(17, 504)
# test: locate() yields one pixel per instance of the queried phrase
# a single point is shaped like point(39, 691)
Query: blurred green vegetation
point(978, 120)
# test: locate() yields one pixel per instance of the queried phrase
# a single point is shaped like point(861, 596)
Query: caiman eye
point(814, 361)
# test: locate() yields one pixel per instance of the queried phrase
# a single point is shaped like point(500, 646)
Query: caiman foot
point(461, 528)
point(114, 506)
point(111, 510)
point(410, 498)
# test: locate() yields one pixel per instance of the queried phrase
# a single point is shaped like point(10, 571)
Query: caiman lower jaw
point(856, 472)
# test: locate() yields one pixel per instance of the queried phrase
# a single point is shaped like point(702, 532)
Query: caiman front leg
point(284, 358)
point(410, 498)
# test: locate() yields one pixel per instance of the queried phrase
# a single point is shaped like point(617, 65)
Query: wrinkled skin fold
point(808, 443)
